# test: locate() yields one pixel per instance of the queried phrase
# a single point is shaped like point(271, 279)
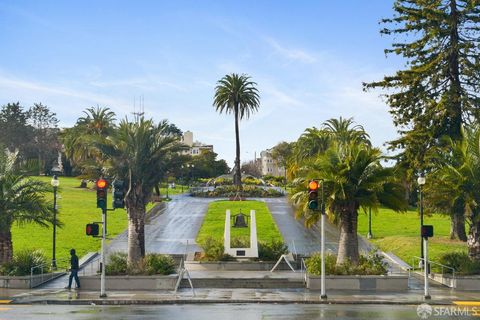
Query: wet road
point(178, 222)
point(216, 311)
point(169, 230)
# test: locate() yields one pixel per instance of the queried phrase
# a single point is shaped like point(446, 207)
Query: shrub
point(230, 191)
point(117, 264)
point(371, 264)
point(461, 262)
point(214, 250)
point(151, 264)
point(23, 261)
point(272, 250)
point(159, 264)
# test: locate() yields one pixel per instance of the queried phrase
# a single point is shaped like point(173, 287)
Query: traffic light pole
point(323, 295)
point(102, 259)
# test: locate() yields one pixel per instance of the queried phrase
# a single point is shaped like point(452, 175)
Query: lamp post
point(55, 183)
point(369, 234)
point(421, 182)
point(191, 166)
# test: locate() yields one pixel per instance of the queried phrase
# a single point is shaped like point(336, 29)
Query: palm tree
point(21, 200)
point(137, 152)
point(453, 188)
point(353, 179)
point(96, 124)
point(238, 95)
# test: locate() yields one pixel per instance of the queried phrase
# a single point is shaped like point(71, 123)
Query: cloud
point(291, 53)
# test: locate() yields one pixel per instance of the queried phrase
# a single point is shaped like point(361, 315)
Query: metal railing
point(430, 262)
point(41, 267)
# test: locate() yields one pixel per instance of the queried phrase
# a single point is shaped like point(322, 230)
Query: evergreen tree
point(438, 91)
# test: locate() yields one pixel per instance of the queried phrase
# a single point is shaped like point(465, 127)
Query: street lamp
point(55, 183)
point(369, 234)
point(421, 182)
point(191, 166)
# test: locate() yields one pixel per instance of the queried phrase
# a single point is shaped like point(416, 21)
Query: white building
point(195, 147)
point(270, 166)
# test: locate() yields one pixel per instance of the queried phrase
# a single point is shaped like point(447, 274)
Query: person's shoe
point(68, 288)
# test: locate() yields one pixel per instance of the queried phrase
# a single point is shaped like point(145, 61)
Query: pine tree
point(438, 91)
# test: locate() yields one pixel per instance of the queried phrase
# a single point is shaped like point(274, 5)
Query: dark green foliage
point(371, 264)
point(159, 264)
point(151, 264)
point(439, 88)
point(272, 250)
point(206, 165)
point(22, 263)
point(461, 262)
point(117, 264)
point(214, 250)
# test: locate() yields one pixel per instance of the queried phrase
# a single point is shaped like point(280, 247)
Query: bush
point(23, 261)
point(151, 264)
point(271, 251)
point(461, 262)
point(117, 264)
point(159, 264)
point(371, 264)
point(214, 250)
point(240, 242)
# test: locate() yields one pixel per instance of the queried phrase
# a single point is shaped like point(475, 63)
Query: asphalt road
point(178, 222)
point(172, 228)
point(217, 311)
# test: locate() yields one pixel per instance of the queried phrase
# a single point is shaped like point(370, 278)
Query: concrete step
point(253, 283)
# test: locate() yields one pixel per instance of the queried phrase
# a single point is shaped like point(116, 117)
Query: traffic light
point(92, 229)
point(102, 185)
point(118, 194)
point(426, 231)
point(313, 195)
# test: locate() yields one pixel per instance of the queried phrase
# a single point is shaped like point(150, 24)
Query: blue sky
point(309, 59)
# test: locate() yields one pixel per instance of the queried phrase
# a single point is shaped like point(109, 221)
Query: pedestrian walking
point(73, 270)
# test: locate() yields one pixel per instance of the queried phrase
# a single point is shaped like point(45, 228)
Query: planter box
point(156, 282)
point(360, 283)
point(27, 282)
point(234, 266)
point(466, 283)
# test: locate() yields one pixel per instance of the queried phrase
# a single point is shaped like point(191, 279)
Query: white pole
point(323, 294)
point(426, 267)
point(102, 259)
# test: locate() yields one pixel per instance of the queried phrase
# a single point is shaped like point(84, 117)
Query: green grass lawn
point(400, 233)
point(77, 207)
point(214, 222)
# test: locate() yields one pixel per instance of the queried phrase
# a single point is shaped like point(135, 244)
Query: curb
point(219, 301)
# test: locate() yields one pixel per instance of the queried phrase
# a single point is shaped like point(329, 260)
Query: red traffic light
point(92, 229)
point(102, 183)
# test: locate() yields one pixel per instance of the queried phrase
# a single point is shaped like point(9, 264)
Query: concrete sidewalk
point(206, 296)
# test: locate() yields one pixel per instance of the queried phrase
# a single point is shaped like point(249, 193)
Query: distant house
point(270, 167)
point(195, 148)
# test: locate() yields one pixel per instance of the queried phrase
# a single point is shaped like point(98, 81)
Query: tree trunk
point(348, 243)
point(473, 241)
point(457, 226)
point(6, 246)
point(136, 225)
point(454, 121)
point(237, 175)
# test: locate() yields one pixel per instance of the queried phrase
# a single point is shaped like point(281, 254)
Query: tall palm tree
point(236, 94)
point(353, 179)
point(137, 152)
point(21, 200)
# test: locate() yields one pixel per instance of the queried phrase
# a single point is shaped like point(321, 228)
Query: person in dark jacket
point(73, 270)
